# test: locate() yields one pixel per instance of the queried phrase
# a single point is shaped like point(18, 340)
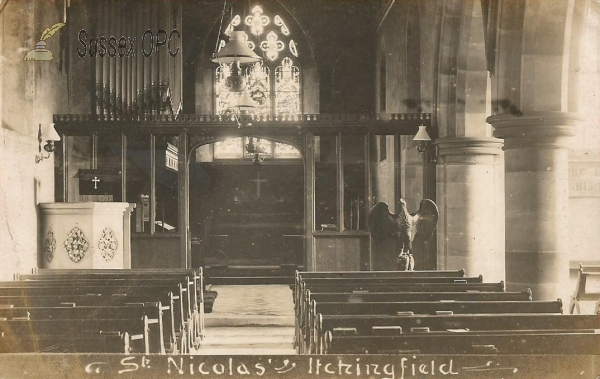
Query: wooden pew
point(99, 342)
point(177, 307)
point(302, 310)
point(336, 287)
point(185, 318)
point(300, 275)
point(196, 311)
point(380, 284)
point(187, 321)
point(383, 288)
point(394, 324)
point(148, 315)
point(180, 328)
point(196, 274)
point(360, 274)
point(400, 283)
point(140, 340)
point(359, 297)
point(563, 342)
point(581, 294)
point(433, 307)
point(168, 304)
point(374, 297)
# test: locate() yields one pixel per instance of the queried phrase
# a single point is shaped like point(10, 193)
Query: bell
point(236, 50)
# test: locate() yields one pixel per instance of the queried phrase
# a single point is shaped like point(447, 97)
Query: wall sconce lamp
point(49, 136)
point(423, 138)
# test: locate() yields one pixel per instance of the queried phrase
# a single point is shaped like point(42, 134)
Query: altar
point(85, 235)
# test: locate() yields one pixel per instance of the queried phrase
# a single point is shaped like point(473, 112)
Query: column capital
point(469, 146)
point(535, 129)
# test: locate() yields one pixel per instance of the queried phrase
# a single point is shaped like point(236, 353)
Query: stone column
point(537, 198)
point(471, 204)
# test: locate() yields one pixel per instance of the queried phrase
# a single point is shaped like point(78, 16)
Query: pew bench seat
point(494, 342)
point(100, 342)
point(361, 325)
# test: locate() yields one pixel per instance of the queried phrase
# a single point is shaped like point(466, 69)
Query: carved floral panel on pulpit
point(107, 244)
point(76, 244)
point(49, 245)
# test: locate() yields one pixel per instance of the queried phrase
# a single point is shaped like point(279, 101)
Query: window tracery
point(274, 83)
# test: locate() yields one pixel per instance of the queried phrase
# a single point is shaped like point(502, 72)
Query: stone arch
point(394, 40)
point(463, 79)
point(472, 75)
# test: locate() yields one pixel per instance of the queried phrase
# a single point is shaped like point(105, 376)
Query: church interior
point(253, 138)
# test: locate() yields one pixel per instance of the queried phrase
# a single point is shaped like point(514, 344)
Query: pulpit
point(85, 235)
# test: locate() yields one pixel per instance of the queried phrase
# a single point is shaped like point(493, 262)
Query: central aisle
point(250, 320)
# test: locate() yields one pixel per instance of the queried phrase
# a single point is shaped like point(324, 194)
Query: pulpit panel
point(84, 236)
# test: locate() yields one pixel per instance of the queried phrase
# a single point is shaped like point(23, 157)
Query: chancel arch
point(246, 202)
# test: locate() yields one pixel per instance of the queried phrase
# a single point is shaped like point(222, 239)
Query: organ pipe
point(135, 84)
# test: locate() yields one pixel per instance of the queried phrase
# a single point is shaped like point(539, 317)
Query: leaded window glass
point(287, 88)
point(263, 146)
point(230, 148)
point(285, 151)
point(259, 87)
point(233, 148)
point(273, 83)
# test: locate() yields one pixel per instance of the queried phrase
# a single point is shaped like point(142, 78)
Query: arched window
point(273, 83)
point(236, 148)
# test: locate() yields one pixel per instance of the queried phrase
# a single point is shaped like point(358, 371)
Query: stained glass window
point(273, 83)
point(272, 46)
point(233, 148)
point(257, 21)
point(225, 99)
point(285, 151)
point(230, 148)
point(263, 146)
point(259, 87)
point(287, 88)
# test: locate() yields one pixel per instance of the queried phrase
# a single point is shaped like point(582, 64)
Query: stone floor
point(250, 319)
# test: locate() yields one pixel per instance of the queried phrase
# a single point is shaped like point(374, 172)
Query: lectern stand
point(85, 235)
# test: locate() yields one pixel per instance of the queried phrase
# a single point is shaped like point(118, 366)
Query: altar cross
point(258, 180)
point(96, 181)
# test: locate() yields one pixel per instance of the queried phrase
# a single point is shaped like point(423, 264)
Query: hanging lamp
point(246, 102)
point(235, 51)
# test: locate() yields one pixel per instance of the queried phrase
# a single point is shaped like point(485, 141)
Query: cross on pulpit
point(258, 180)
point(99, 185)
